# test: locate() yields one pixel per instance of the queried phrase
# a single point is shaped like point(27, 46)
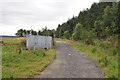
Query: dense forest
point(98, 22)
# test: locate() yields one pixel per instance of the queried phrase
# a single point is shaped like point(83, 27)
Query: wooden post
point(34, 46)
point(53, 40)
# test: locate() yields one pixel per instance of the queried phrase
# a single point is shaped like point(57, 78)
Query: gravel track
point(70, 63)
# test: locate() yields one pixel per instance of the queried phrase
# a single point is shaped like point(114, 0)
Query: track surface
point(70, 63)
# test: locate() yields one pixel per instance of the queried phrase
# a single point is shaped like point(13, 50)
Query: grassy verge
point(0, 60)
point(26, 64)
point(106, 57)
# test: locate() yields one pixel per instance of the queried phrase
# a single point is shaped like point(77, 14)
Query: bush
point(94, 50)
point(114, 51)
point(77, 32)
point(89, 41)
point(83, 35)
point(74, 37)
point(23, 42)
point(67, 34)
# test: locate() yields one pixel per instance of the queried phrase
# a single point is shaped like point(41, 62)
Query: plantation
point(20, 63)
point(104, 52)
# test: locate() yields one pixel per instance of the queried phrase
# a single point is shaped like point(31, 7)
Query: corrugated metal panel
point(39, 41)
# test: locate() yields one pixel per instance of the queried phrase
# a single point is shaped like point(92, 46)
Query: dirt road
point(70, 63)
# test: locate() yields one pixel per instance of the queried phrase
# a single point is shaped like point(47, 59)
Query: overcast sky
point(36, 14)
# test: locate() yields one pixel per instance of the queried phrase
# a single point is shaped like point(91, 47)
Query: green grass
point(27, 64)
point(0, 62)
point(106, 57)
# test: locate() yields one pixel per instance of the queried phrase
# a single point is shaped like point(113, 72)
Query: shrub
point(74, 37)
point(114, 51)
point(83, 35)
point(93, 50)
point(67, 34)
point(102, 45)
point(88, 41)
point(77, 32)
point(23, 42)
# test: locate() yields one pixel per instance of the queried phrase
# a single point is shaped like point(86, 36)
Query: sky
point(36, 14)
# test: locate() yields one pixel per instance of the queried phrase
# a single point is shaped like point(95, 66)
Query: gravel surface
point(70, 63)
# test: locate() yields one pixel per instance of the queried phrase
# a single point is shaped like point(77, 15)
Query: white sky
point(36, 14)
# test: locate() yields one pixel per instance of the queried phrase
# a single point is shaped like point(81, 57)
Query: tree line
point(101, 21)
point(43, 32)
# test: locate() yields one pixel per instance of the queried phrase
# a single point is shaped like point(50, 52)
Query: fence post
point(53, 40)
point(34, 46)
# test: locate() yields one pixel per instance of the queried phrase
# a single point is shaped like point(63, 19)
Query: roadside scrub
point(24, 64)
point(104, 52)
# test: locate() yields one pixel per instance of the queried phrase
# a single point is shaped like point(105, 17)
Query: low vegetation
point(20, 63)
point(0, 59)
point(104, 52)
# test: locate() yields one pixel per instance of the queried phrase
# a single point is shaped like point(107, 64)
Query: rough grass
point(26, 64)
point(107, 57)
point(0, 61)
